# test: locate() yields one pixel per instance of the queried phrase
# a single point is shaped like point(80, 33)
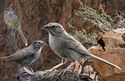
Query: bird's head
point(37, 44)
point(54, 28)
point(9, 9)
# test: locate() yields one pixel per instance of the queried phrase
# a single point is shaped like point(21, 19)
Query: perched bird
point(13, 22)
point(67, 47)
point(26, 56)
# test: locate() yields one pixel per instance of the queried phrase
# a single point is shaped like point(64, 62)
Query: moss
point(85, 38)
point(101, 20)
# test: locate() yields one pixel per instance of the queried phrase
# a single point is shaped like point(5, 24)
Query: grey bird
point(67, 47)
point(26, 56)
point(13, 22)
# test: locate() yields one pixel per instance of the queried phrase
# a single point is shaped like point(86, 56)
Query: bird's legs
point(74, 66)
point(27, 69)
point(78, 67)
point(60, 64)
point(31, 72)
point(66, 69)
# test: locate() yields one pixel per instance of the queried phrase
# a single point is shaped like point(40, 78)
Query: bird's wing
point(72, 44)
point(12, 18)
point(18, 55)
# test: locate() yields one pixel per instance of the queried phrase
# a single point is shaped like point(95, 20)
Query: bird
point(13, 22)
point(67, 47)
point(26, 56)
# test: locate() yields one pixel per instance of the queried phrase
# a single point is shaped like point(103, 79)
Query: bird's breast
point(55, 44)
point(38, 53)
point(61, 49)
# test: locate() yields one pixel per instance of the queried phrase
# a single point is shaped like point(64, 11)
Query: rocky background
point(37, 13)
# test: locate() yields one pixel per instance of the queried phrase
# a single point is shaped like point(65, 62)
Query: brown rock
point(114, 53)
point(112, 40)
point(105, 69)
point(123, 36)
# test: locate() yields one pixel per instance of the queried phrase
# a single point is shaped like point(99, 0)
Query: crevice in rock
point(101, 43)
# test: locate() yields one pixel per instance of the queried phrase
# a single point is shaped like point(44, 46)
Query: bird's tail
point(105, 61)
point(4, 59)
point(23, 38)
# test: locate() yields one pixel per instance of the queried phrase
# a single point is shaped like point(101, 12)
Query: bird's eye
point(39, 42)
point(34, 43)
point(53, 26)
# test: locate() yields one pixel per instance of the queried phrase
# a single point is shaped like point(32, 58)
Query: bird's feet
point(50, 70)
point(28, 71)
point(63, 72)
point(53, 69)
point(57, 66)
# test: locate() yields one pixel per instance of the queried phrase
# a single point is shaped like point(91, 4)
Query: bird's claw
point(28, 71)
point(52, 69)
point(62, 72)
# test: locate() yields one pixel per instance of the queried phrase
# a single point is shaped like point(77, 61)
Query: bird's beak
point(45, 44)
point(42, 28)
point(45, 27)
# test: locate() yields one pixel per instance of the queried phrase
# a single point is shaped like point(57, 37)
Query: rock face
point(123, 36)
point(114, 53)
point(36, 13)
